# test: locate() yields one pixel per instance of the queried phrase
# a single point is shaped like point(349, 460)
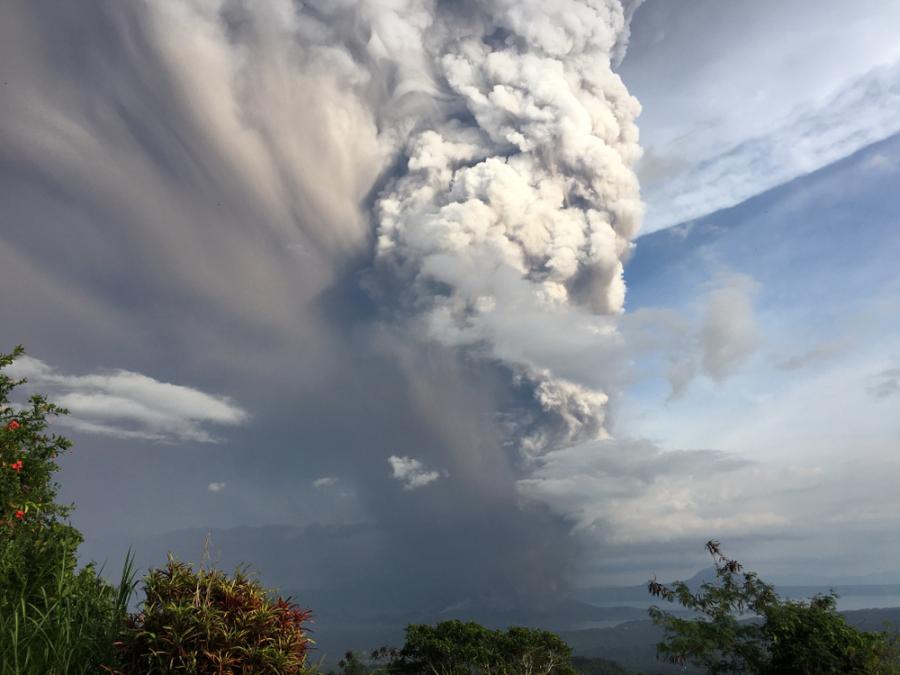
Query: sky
point(462, 299)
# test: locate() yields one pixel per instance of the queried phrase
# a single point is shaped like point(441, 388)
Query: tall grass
point(69, 628)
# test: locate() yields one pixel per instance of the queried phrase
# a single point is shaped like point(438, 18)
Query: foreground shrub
point(208, 622)
point(69, 629)
point(36, 542)
point(785, 637)
point(53, 620)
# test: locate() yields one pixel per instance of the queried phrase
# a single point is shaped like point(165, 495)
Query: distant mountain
point(887, 578)
point(631, 644)
point(637, 593)
point(875, 620)
point(316, 555)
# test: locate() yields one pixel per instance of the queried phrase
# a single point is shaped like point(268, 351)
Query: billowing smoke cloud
point(239, 170)
point(520, 201)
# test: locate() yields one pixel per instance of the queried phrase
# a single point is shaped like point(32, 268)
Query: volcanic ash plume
point(518, 203)
point(242, 160)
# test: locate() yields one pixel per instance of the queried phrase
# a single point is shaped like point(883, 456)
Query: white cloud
point(325, 481)
point(822, 441)
point(625, 492)
point(810, 138)
point(741, 96)
point(714, 339)
point(824, 414)
point(131, 405)
point(411, 472)
point(216, 487)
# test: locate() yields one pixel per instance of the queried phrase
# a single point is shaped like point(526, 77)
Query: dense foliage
point(53, 619)
point(207, 622)
point(458, 648)
point(784, 637)
point(383, 661)
point(37, 544)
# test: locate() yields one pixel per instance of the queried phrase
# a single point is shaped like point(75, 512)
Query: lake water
point(845, 603)
point(849, 603)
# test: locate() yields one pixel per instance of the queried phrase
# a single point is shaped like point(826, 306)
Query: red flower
point(16, 466)
point(12, 426)
point(20, 514)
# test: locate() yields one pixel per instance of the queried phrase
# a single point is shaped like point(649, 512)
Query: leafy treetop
point(782, 637)
point(458, 648)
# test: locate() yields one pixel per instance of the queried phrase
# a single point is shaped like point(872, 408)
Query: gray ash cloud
point(200, 190)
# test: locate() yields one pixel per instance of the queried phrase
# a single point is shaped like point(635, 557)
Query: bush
point(53, 620)
point(457, 648)
point(784, 637)
point(208, 622)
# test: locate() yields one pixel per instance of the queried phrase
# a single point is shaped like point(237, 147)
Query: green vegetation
point(38, 546)
point(69, 628)
point(207, 622)
point(53, 620)
point(460, 648)
point(380, 663)
point(786, 636)
point(467, 648)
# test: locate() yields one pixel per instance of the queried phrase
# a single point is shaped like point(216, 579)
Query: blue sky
point(808, 395)
point(357, 269)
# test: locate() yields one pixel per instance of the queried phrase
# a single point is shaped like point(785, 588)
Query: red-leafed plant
point(208, 622)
